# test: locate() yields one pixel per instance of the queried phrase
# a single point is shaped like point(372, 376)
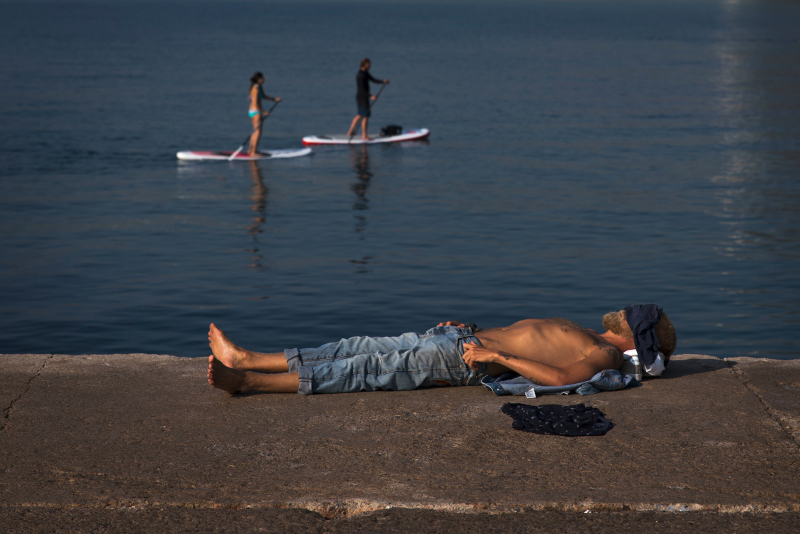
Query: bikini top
point(261, 94)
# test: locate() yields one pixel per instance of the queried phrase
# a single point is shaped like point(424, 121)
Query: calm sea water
point(584, 155)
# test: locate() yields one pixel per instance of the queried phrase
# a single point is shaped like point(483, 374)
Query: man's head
point(617, 323)
point(365, 64)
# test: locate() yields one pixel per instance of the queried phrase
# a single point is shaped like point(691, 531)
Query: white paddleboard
point(206, 155)
point(407, 135)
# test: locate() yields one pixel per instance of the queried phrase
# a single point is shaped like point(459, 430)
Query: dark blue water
point(583, 156)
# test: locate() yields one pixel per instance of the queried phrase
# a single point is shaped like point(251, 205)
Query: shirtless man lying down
point(550, 352)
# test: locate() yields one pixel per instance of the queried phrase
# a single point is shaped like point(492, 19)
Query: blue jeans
point(405, 362)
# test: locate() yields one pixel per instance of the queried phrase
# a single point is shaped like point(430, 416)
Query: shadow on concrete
point(692, 366)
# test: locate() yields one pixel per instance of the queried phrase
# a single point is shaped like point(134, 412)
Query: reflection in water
point(259, 198)
point(362, 263)
point(756, 96)
point(360, 159)
point(756, 181)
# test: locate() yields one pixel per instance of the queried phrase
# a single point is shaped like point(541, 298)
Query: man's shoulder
point(565, 323)
point(608, 355)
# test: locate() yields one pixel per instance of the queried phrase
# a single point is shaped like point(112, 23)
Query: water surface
point(584, 155)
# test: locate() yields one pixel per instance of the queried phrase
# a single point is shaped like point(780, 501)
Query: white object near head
point(633, 366)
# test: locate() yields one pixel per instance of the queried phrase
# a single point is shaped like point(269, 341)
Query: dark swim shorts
point(576, 420)
point(363, 110)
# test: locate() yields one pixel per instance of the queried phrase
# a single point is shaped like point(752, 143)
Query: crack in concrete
point(774, 414)
point(337, 509)
point(10, 408)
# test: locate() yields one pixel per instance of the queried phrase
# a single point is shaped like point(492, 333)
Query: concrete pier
point(140, 442)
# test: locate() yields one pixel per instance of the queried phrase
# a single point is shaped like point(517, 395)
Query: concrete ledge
point(143, 436)
point(165, 519)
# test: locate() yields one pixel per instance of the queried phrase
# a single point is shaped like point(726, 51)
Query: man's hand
point(373, 97)
point(452, 323)
point(474, 354)
point(385, 82)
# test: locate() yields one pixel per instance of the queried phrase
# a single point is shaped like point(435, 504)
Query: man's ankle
point(247, 382)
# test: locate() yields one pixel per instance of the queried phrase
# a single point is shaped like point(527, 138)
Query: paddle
point(260, 124)
point(370, 107)
point(377, 95)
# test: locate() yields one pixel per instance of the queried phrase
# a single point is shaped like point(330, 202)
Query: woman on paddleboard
point(363, 98)
point(256, 112)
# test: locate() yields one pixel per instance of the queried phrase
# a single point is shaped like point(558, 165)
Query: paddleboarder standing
point(363, 98)
point(256, 112)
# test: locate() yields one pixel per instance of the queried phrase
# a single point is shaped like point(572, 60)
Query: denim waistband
point(466, 334)
point(467, 337)
point(465, 331)
point(458, 334)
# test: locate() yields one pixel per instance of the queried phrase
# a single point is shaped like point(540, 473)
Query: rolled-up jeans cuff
point(293, 359)
point(305, 374)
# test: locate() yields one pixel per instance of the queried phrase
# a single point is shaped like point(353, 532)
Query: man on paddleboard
point(363, 98)
point(548, 352)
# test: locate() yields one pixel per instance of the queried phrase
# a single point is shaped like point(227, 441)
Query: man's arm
point(459, 324)
point(540, 373)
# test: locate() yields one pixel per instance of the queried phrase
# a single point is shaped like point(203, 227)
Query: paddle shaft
point(377, 95)
point(260, 124)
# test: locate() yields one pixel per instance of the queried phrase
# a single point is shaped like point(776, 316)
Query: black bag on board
point(392, 129)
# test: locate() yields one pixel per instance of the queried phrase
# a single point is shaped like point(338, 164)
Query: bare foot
point(225, 350)
point(225, 378)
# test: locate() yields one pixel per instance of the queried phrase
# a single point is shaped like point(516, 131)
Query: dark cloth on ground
point(576, 420)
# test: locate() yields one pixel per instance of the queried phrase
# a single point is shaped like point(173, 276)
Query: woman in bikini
point(257, 113)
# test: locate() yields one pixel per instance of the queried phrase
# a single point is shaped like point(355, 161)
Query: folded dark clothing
point(575, 420)
point(642, 318)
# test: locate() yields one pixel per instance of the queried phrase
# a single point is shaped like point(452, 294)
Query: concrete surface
point(137, 442)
